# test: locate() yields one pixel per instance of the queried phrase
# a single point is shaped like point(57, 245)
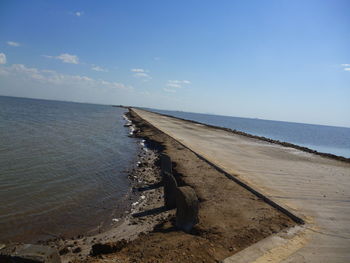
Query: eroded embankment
point(230, 217)
point(145, 195)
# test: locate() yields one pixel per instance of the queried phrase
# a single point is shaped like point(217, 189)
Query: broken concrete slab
point(28, 253)
point(187, 206)
point(165, 163)
point(170, 190)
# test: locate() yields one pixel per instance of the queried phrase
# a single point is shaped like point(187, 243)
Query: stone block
point(165, 163)
point(28, 253)
point(107, 248)
point(170, 189)
point(187, 206)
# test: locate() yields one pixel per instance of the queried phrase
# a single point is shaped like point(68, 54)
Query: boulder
point(107, 248)
point(170, 189)
point(165, 163)
point(187, 208)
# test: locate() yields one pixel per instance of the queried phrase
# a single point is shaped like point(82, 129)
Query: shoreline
point(231, 217)
point(262, 138)
point(144, 172)
point(127, 228)
point(103, 196)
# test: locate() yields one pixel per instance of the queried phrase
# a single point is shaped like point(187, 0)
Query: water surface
point(63, 167)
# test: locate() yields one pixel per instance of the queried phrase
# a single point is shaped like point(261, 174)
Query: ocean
point(322, 138)
point(63, 168)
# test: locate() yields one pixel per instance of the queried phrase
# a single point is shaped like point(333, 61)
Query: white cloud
point(66, 58)
point(137, 70)
point(177, 83)
point(180, 82)
point(79, 13)
point(346, 67)
point(13, 44)
point(2, 58)
point(53, 77)
point(169, 90)
point(141, 74)
point(173, 85)
point(97, 68)
point(21, 70)
point(74, 59)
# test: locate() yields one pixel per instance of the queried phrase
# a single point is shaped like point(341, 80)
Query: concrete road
point(314, 188)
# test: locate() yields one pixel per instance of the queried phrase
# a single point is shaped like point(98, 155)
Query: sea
point(63, 168)
point(322, 138)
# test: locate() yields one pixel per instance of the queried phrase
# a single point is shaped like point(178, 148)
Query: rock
point(187, 208)
point(64, 251)
point(28, 253)
point(165, 163)
point(77, 250)
point(170, 188)
point(107, 248)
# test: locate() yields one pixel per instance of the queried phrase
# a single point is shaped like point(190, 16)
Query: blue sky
point(280, 60)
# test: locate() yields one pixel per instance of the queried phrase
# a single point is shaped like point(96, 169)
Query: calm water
point(328, 139)
point(63, 167)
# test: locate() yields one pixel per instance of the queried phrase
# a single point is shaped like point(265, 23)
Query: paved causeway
point(312, 187)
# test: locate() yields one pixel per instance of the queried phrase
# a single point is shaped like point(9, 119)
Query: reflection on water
point(62, 167)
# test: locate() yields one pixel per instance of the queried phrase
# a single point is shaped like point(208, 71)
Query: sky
point(278, 60)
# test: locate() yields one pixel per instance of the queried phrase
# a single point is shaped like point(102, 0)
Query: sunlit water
point(328, 139)
point(63, 167)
